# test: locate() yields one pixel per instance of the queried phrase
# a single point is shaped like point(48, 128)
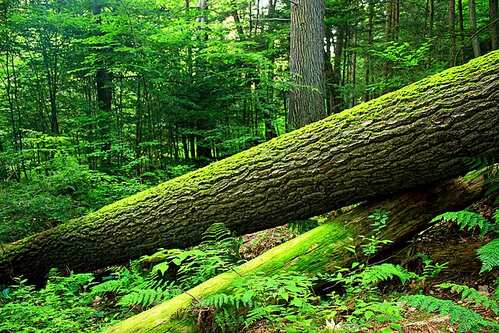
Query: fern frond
point(466, 319)
point(489, 255)
point(222, 300)
point(384, 272)
point(469, 294)
point(216, 232)
point(145, 297)
point(466, 220)
point(108, 287)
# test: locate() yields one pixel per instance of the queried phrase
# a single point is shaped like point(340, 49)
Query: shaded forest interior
point(146, 146)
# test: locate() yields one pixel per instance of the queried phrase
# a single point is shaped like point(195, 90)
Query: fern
point(118, 283)
point(147, 297)
point(236, 300)
point(261, 297)
point(108, 287)
point(489, 255)
point(430, 269)
point(466, 319)
point(215, 233)
point(375, 274)
point(466, 220)
point(471, 295)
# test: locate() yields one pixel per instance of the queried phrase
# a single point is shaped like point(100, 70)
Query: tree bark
point(104, 93)
point(320, 250)
point(461, 30)
point(474, 36)
point(367, 61)
point(307, 99)
point(412, 137)
point(494, 29)
point(452, 31)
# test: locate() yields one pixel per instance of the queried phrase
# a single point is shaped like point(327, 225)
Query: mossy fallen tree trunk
point(319, 250)
point(408, 138)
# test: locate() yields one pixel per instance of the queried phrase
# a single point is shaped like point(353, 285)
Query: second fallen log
point(317, 251)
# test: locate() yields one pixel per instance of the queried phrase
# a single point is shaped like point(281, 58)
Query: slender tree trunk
point(452, 31)
point(354, 69)
point(494, 28)
point(338, 104)
point(409, 138)
point(367, 76)
point(237, 21)
point(475, 42)
point(432, 17)
point(320, 250)
point(103, 82)
point(329, 71)
point(461, 29)
point(138, 125)
point(307, 99)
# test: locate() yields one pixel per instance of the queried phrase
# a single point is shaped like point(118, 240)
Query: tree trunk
point(337, 100)
point(412, 137)
point(494, 28)
point(474, 35)
point(461, 29)
point(367, 61)
point(320, 250)
point(104, 92)
point(306, 100)
point(452, 31)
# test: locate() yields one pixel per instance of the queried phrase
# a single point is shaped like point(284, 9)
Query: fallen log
point(320, 250)
point(408, 138)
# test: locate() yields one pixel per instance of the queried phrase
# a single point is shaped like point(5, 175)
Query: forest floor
point(443, 243)
point(442, 254)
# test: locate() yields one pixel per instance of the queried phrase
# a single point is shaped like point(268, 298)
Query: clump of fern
point(467, 220)
point(218, 252)
point(375, 274)
point(466, 319)
point(489, 255)
point(277, 299)
point(158, 277)
point(471, 296)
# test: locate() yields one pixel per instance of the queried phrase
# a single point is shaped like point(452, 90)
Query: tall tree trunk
point(474, 34)
point(307, 100)
point(370, 39)
point(338, 104)
point(320, 250)
point(452, 31)
point(431, 17)
point(409, 138)
point(461, 29)
point(237, 21)
point(494, 28)
point(329, 75)
point(103, 80)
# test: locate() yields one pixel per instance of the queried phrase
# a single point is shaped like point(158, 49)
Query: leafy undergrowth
point(383, 297)
point(64, 189)
point(374, 297)
point(90, 302)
